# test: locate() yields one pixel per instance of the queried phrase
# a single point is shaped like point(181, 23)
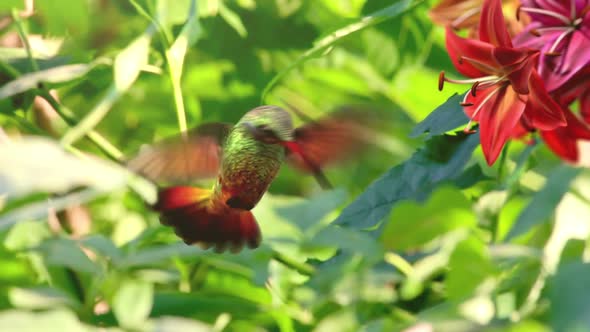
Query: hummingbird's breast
point(247, 169)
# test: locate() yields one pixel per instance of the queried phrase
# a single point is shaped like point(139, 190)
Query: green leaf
point(174, 324)
point(442, 160)
point(68, 253)
point(446, 210)
point(23, 160)
point(175, 56)
point(103, 246)
point(308, 212)
point(26, 235)
point(133, 302)
point(232, 19)
point(345, 321)
point(462, 279)
point(348, 240)
point(569, 300)
point(444, 118)
point(49, 76)
point(155, 254)
point(39, 298)
point(387, 13)
point(49, 321)
point(544, 202)
point(128, 63)
point(203, 305)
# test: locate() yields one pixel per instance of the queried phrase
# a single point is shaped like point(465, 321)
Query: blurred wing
point(197, 156)
point(332, 139)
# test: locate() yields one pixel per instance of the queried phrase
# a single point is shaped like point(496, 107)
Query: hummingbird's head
point(269, 124)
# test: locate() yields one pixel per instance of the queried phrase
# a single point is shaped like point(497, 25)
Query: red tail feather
point(197, 219)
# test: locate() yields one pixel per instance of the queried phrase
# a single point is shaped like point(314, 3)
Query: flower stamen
point(464, 17)
point(564, 19)
point(559, 39)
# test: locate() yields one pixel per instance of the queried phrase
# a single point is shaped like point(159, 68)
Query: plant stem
point(102, 143)
point(302, 268)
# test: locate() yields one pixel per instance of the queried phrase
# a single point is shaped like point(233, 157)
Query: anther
point(441, 80)
point(552, 53)
point(584, 11)
point(518, 13)
point(466, 104)
point(468, 130)
point(460, 60)
point(474, 88)
point(535, 32)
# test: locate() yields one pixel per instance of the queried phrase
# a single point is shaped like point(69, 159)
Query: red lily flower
point(576, 88)
point(563, 141)
point(505, 86)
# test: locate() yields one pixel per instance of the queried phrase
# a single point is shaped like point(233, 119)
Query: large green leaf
point(444, 118)
point(442, 160)
point(569, 299)
point(447, 209)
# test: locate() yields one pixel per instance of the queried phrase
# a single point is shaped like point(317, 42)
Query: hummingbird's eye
point(265, 134)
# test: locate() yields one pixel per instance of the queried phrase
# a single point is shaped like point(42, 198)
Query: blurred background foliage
point(420, 235)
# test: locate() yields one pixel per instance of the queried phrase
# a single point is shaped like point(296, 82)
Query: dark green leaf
point(444, 118)
point(414, 179)
point(570, 301)
point(67, 253)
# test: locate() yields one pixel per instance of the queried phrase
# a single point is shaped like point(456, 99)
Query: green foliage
point(419, 234)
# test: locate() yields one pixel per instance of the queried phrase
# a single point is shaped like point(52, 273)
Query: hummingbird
point(243, 159)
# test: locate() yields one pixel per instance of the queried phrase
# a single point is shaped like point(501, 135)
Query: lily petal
point(482, 61)
point(498, 116)
point(492, 26)
point(542, 111)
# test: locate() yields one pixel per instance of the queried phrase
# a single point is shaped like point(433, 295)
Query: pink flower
point(561, 31)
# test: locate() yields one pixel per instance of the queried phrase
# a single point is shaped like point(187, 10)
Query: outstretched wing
point(181, 159)
point(332, 139)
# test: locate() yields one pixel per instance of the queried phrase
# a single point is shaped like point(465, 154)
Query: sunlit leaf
point(545, 201)
point(39, 298)
point(321, 45)
point(49, 76)
point(58, 320)
point(23, 161)
point(133, 302)
point(463, 279)
point(446, 209)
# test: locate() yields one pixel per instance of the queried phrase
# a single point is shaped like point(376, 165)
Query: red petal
point(520, 63)
point(585, 104)
point(497, 118)
point(542, 111)
point(562, 145)
point(492, 27)
point(483, 63)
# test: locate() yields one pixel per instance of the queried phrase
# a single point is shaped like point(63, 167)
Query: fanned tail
point(197, 219)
